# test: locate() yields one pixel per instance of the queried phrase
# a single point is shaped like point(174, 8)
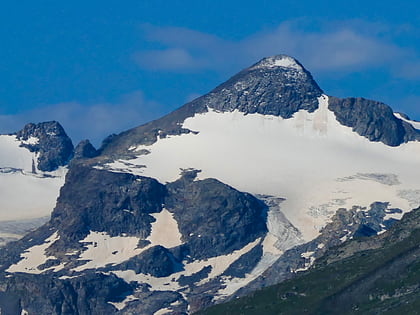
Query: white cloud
point(346, 47)
point(93, 122)
point(167, 59)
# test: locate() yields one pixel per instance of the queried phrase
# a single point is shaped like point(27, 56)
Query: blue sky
point(100, 67)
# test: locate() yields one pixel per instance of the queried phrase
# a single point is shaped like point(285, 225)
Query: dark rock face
point(95, 200)
point(157, 261)
point(245, 263)
point(266, 89)
point(47, 295)
point(54, 146)
point(373, 120)
point(214, 218)
point(85, 150)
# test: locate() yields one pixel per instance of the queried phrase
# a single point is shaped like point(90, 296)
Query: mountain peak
point(50, 140)
point(282, 61)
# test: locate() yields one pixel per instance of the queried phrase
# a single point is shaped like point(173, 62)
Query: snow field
point(23, 194)
point(305, 159)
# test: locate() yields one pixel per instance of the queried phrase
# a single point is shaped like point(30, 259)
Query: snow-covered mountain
point(238, 189)
point(32, 170)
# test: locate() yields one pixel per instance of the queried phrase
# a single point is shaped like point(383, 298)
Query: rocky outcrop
point(50, 140)
point(373, 120)
point(278, 86)
point(97, 200)
point(89, 294)
point(85, 150)
point(214, 218)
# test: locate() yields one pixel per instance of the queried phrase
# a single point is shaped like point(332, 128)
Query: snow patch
point(121, 305)
point(218, 264)
point(24, 196)
point(278, 61)
point(67, 277)
point(163, 311)
point(35, 256)
point(13, 155)
point(103, 249)
point(31, 140)
point(165, 231)
point(415, 124)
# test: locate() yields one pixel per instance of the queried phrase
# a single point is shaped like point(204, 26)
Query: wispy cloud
point(346, 47)
point(94, 122)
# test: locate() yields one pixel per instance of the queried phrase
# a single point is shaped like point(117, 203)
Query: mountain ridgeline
point(269, 89)
point(245, 187)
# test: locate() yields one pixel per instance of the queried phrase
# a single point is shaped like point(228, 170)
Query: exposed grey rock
point(157, 261)
point(266, 89)
point(93, 199)
point(47, 295)
point(54, 146)
point(214, 218)
point(246, 263)
point(373, 120)
point(85, 150)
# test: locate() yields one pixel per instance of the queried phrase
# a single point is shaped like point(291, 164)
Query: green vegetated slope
point(376, 275)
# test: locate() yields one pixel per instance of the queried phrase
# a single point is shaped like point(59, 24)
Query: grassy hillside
point(377, 275)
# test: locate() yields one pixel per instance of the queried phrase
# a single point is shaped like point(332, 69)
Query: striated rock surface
point(373, 120)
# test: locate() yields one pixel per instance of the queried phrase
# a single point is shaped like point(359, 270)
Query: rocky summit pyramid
point(239, 189)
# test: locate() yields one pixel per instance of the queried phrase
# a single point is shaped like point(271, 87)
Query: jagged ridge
point(55, 148)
